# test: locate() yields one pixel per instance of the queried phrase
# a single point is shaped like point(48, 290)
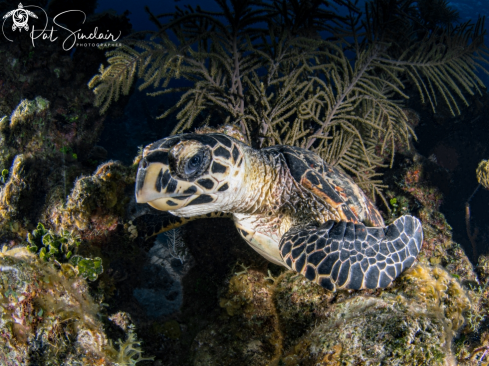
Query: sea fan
point(176, 245)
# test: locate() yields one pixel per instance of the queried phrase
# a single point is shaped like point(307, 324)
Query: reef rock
point(48, 317)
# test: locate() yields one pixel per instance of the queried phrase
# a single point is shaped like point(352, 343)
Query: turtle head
point(191, 174)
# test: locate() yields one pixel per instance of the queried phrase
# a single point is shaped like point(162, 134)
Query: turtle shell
point(330, 185)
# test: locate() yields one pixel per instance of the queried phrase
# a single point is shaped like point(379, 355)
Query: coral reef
point(72, 230)
point(374, 331)
point(66, 219)
point(70, 212)
point(40, 164)
point(288, 321)
point(48, 125)
point(48, 317)
point(250, 333)
point(96, 201)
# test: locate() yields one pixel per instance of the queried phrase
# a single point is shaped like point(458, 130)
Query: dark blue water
point(469, 9)
point(139, 17)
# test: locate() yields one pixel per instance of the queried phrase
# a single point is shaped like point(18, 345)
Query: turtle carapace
point(286, 202)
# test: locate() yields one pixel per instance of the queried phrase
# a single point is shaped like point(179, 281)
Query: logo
point(75, 38)
point(20, 16)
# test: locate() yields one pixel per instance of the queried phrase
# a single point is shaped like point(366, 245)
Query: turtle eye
point(189, 159)
point(194, 163)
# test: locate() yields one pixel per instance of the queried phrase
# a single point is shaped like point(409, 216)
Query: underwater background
point(82, 282)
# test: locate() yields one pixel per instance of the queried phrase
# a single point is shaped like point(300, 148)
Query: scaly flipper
point(343, 255)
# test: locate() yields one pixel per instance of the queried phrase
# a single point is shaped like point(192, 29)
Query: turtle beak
point(156, 187)
point(146, 181)
point(165, 204)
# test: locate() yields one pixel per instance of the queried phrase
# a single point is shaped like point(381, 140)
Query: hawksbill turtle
point(287, 203)
point(20, 17)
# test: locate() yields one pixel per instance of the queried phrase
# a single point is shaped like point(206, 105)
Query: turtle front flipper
point(344, 255)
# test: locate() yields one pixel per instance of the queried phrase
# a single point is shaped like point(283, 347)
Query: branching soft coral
point(266, 67)
point(128, 350)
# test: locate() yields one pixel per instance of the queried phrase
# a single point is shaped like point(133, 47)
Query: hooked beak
point(149, 189)
point(146, 181)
